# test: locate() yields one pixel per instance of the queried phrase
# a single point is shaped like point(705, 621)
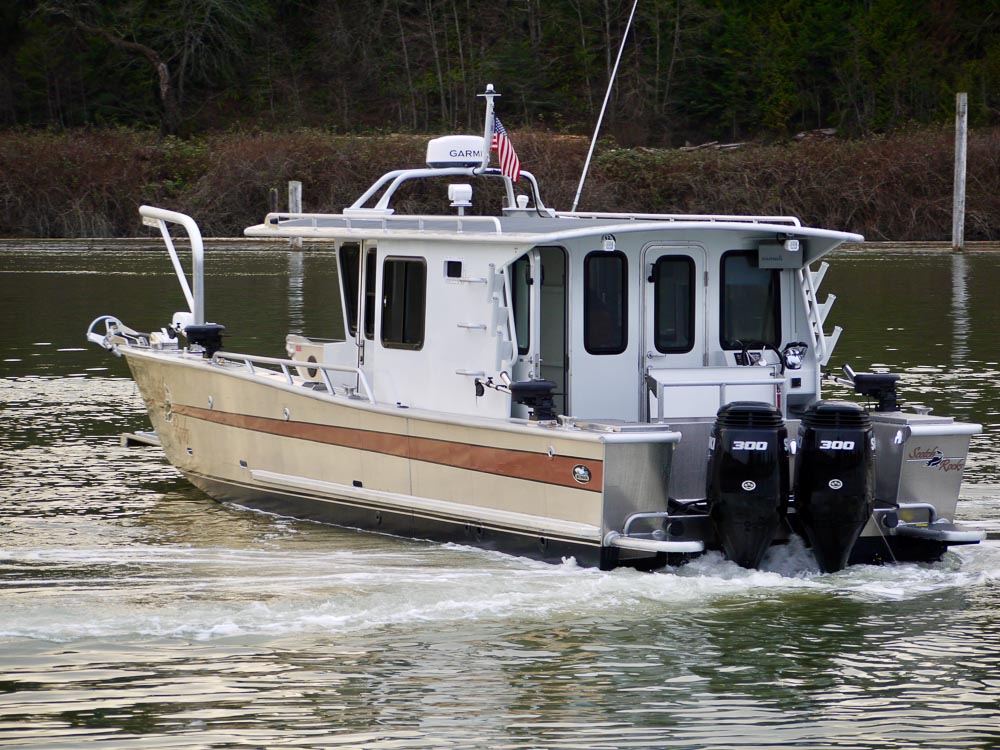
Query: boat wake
point(375, 584)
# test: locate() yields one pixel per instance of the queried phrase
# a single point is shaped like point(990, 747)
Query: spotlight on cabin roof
point(460, 196)
point(455, 151)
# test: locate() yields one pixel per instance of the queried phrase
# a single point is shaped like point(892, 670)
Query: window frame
point(348, 270)
point(521, 307)
point(691, 333)
point(775, 285)
point(349, 287)
point(392, 343)
point(623, 340)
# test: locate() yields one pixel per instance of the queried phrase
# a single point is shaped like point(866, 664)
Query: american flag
point(509, 163)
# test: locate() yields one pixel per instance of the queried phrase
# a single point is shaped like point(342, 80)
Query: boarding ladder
point(816, 312)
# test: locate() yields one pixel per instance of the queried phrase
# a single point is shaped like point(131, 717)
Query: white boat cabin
point(632, 317)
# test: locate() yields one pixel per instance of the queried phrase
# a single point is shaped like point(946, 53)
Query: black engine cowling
point(747, 479)
point(834, 479)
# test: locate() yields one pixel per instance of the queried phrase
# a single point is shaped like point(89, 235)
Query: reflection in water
point(943, 345)
point(960, 307)
point(137, 613)
point(296, 268)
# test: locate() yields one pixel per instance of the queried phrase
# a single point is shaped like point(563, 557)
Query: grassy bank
point(88, 183)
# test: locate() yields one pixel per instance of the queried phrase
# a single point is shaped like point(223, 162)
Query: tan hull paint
point(209, 421)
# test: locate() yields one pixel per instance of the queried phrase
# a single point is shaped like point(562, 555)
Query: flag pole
point(488, 131)
point(600, 118)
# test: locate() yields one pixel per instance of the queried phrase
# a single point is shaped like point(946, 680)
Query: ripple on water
point(138, 614)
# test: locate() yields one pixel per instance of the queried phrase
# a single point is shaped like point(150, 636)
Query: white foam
point(210, 593)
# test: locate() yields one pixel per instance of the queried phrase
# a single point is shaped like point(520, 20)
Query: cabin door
point(357, 267)
point(552, 323)
point(674, 310)
point(538, 283)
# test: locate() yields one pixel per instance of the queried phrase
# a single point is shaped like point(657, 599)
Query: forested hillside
point(204, 105)
point(693, 70)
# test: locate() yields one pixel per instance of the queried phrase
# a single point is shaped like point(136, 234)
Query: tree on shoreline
point(179, 39)
point(693, 70)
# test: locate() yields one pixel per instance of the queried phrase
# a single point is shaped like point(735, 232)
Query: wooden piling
point(295, 207)
point(961, 141)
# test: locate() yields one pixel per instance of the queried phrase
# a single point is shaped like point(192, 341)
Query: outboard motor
point(537, 396)
point(747, 479)
point(834, 479)
point(207, 336)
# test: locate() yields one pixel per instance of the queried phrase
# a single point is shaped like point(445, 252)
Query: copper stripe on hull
point(535, 467)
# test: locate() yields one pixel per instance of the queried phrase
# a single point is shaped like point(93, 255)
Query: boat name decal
point(935, 458)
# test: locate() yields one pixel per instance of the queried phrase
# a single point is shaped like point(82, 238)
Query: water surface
point(136, 613)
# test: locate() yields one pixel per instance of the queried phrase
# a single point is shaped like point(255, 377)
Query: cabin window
point(370, 294)
point(605, 302)
point(350, 255)
point(521, 299)
point(453, 269)
point(673, 304)
point(751, 305)
point(404, 295)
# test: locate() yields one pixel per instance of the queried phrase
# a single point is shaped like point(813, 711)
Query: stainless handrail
point(710, 218)
point(932, 512)
point(356, 218)
point(249, 360)
point(682, 547)
point(158, 218)
point(664, 515)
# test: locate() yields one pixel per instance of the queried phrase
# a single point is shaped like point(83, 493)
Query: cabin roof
point(520, 231)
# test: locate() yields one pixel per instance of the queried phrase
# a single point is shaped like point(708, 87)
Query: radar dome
point(455, 151)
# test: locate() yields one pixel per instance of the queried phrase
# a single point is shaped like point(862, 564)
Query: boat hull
point(377, 519)
point(266, 441)
point(274, 445)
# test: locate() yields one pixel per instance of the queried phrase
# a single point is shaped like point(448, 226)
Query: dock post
point(295, 207)
point(961, 142)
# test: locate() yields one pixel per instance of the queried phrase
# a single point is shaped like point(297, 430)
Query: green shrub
point(88, 183)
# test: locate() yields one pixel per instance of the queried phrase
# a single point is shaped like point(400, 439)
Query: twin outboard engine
point(834, 479)
point(747, 479)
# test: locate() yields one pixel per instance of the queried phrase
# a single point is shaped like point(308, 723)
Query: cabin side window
point(605, 302)
point(751, 305)
point(673, 303)
point(404, 295)
point(350, 257)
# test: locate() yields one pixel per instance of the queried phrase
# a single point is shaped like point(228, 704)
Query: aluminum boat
point(625, 389)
